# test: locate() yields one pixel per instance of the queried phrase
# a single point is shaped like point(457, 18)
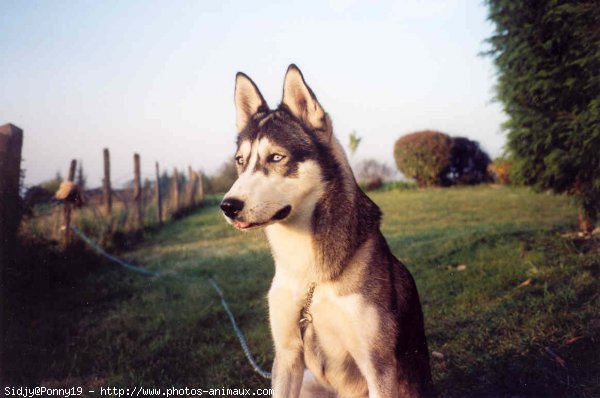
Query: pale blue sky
point(157, 77)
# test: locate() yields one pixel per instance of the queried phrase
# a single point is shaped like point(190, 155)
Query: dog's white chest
point(336, 341)
point(343, 326)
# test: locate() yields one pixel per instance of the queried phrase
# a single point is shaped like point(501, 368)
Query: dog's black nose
point(231, 207)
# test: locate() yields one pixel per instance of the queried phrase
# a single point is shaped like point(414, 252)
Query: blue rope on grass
point(238, 332)
point(213, 282)
point(117, 260)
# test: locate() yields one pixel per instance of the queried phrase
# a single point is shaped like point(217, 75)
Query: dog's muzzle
point(232, 207)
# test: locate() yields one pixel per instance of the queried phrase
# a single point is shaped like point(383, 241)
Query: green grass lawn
point(511, 307)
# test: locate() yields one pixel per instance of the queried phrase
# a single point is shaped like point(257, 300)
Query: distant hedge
point(423, 156)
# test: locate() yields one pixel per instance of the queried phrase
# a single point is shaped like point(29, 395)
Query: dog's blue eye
point(275, 158)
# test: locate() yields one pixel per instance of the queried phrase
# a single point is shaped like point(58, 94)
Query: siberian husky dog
point(340, 304)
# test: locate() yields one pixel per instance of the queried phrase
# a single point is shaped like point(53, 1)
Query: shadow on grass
point(45, 296)
point(530, 335)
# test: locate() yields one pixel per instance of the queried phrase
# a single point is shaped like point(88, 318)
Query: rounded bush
point(423, 156)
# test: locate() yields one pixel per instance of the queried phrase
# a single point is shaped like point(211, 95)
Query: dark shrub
point(468, 163)
point(374, 184)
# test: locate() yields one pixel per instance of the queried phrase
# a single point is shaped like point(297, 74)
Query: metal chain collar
point(305, 315)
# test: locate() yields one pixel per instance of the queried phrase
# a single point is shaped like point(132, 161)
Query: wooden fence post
point(11, 142)
point(158, 197)
point(137, 194)
point(106, 188)
point(174, 193)
point(69, 206)
point(191, 189)
point(199, 188)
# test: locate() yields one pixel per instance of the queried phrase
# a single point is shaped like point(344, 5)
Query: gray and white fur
point(365, 337)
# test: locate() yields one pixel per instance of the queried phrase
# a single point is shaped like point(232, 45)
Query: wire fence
point(131, 209)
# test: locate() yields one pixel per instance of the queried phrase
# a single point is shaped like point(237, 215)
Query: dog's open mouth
point(280, 215)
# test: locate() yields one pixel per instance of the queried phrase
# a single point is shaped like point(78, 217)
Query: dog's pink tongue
point(241, 224)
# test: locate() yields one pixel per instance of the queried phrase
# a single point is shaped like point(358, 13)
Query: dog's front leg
point(288, 372)
point(380, 372)
point(383, 383)
point(288, 367)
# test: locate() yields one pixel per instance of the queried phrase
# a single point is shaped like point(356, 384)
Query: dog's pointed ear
point(300, 99)
point(248, 100)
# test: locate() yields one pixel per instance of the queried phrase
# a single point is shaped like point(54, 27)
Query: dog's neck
point(292, 243)
point(324, 235)
point(340, 226)
point(293, 251)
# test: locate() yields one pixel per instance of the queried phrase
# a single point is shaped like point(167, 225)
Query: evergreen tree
point(548, 57)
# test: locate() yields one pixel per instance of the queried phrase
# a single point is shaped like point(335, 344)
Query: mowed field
point(511, 306)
